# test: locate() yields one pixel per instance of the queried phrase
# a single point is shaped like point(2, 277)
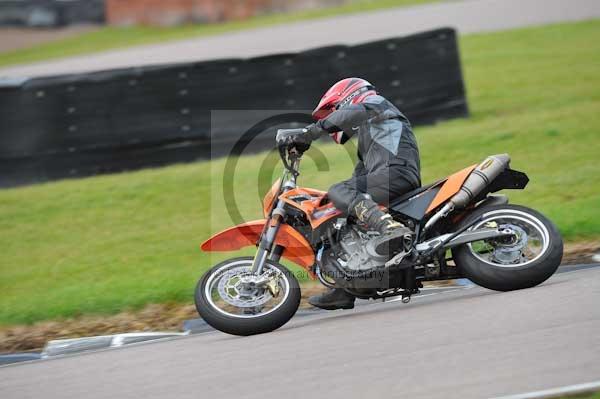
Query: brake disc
point(237, 288)
point(509, 253)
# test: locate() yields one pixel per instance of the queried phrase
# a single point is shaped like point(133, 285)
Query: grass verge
point(588, 395)
point(109, 243)
point(107, 38)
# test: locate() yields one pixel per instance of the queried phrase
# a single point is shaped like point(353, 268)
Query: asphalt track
point(463, 343)
point(467, 16)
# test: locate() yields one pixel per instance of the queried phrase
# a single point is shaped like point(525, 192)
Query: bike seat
point(416, 191)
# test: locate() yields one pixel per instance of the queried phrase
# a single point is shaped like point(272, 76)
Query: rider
point(388, 163)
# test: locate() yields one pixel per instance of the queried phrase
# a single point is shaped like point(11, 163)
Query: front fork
point(267, 243)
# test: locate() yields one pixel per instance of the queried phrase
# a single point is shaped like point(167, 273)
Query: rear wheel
point(525, 259)
point(232, 299)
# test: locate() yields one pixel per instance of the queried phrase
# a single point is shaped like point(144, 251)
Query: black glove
point(303, 136)
point(293, 137)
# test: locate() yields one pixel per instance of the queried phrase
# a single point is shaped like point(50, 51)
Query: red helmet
point(346, 91)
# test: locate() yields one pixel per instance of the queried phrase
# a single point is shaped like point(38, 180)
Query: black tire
point(248, 325)
point(501, 278)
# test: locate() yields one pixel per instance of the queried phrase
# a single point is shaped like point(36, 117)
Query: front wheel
point(232, 299)
point(525, 259)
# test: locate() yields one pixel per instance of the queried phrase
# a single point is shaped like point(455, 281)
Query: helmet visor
point(323, 112)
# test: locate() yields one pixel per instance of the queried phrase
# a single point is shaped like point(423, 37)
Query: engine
point(358, 251)
point(354, 264)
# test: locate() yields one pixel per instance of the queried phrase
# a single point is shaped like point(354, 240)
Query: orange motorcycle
point(461, 230)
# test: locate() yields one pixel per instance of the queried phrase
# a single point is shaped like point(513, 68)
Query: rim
point(529, 243)
point(230, 290)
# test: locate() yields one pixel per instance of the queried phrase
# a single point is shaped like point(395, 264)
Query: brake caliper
point(273, 286)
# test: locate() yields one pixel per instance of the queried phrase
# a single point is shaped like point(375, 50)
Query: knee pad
point(340, 196)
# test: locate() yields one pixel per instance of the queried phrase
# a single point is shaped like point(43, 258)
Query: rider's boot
point(395, 237)
point(336, 298)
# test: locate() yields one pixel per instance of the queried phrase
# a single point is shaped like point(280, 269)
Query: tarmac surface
point(467, 16)
point(462, 343)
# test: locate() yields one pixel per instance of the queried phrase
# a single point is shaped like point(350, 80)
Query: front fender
point(297, 249)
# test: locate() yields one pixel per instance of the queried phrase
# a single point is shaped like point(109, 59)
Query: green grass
point(107, 38)
point(103, 244)
point(590, 395)
point(595, 395)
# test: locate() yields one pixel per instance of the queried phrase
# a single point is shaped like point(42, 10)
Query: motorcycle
point(461, 229)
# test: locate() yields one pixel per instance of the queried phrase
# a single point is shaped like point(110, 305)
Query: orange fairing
point(297, 249)
point(310, 202)
point(270, 197)
point(451, 187)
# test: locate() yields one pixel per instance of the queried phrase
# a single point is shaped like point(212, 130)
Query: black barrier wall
point(85, 124)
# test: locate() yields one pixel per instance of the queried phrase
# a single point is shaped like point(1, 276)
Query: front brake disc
point(237, 291)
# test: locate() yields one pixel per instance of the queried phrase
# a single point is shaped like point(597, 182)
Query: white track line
point(586, 269)
point(555, 392)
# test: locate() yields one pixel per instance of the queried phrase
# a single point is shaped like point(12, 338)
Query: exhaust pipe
point(480, 178)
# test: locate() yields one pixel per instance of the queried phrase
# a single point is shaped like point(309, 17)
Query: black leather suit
point(388, 155)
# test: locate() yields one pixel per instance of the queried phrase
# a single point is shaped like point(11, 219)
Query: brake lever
point(283, 156)
point(286, 151)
